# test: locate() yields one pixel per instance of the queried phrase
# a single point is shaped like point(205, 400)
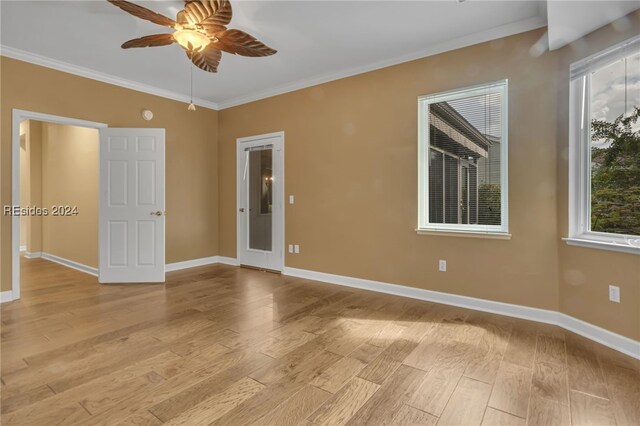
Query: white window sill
point(467, 234)
point(611, 246)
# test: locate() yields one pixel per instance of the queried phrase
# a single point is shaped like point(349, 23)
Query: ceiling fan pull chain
point(191, 106)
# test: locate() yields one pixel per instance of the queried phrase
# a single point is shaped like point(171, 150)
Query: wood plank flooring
point(230, 346)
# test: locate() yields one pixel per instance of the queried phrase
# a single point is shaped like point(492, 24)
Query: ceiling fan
point(200, 28)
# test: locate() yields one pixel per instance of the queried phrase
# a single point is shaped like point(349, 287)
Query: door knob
point(158, 213)
point(241, 209)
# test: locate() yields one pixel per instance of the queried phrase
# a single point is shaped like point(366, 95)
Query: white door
point(131, 205)
point(260, 201)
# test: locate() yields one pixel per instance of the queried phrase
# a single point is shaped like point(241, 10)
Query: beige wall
point(191, 149)
point(356, 209)
point(351, 162)
point(70, 178)
point(585, 274)
point(351, 149)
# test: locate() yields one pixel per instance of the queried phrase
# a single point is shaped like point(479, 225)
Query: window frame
point(426, 227)
point(580, 233)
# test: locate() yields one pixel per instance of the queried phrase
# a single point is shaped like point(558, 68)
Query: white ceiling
point(317, 41)
point(570, 20)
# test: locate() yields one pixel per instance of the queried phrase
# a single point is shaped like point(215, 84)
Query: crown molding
point(513, 28)
point(22, 55)
point(468, 40)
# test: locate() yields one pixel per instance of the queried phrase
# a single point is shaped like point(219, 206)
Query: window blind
point(464, 152)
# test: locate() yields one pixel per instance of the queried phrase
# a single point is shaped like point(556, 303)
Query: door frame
point(19, 115)
point(277, 151)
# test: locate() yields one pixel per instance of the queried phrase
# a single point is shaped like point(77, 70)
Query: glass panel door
point(260, 197)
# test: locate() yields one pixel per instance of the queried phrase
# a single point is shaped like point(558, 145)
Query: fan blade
point(240, 43)
point(143, 13)
point(150, 41)
point(213, 15)
point(206, 59)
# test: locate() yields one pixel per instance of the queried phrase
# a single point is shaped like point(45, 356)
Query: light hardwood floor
point(230, 346)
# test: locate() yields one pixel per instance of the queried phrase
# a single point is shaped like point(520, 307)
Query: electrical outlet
point(290, 248)
point(291, 199)
point(614, 293)
point(296, 249)
point(442, 265)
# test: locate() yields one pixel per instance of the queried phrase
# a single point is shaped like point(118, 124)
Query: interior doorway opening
point(54, 192)
point(58, 195)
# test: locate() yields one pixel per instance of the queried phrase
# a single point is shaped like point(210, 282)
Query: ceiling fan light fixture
point(191, 40)
point(200, 28)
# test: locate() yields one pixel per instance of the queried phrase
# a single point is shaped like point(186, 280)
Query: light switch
point(614, 293)
point(290, 248)
point(291, 199)
point(296, 249)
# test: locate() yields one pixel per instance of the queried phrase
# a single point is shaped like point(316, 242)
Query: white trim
point(176, 266)
point(468, 234)
point(424, 146)
point(458, 43)
point(612, 246)
point(228, 261)
point(453, 44)
point(615, 341)
point(193, 263)
point(33, 254)
point(6, 296)
point(23, 249)
point(71, 264)
point(598, 334)
point(19, 115)
point(579, 182)
point(604, 57)
point(517, 311)
point(55, 64)
point(169, 267)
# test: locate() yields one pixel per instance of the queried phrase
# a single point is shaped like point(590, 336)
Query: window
point(462, 163)
point(604, 162)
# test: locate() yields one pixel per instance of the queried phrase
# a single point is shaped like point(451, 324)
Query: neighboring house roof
point(457, 129)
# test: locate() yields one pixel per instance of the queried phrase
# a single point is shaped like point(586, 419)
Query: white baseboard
point(232, 261)
point(615, 341)
point(168, 268)
point(70, 263)
point(6, 296)
point(191, 263)
point(598, 334)
point(200, 262)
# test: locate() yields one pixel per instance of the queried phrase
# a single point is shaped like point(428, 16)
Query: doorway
point(18, 223)
point(131, 167)
point(260, 201)
point(59, 194)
